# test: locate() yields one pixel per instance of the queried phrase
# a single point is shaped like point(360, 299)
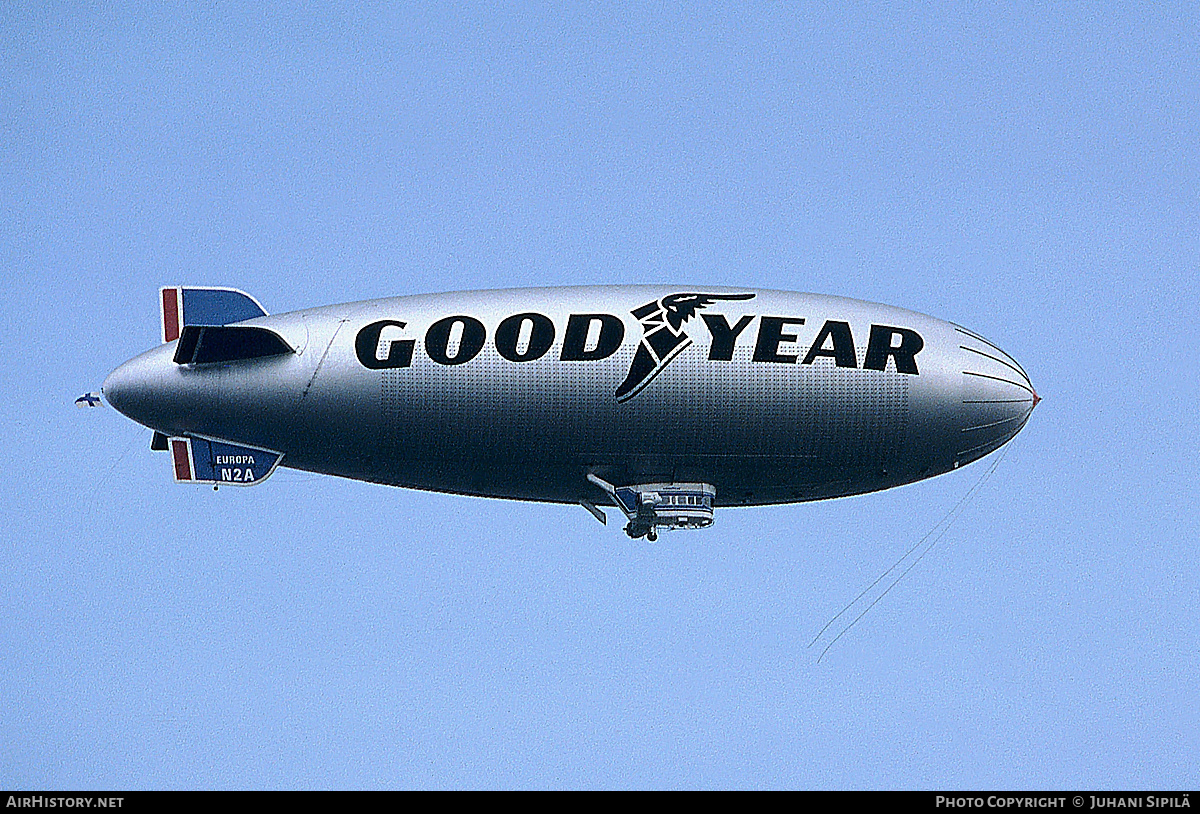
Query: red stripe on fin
point(181, 455)
point(170, 314)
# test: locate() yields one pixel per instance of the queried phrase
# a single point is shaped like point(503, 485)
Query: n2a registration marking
point(237, 475)
point(455, 340)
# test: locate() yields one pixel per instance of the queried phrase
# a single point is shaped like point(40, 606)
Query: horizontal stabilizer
point(199, 460)
point(182, 306)
point(203, 344)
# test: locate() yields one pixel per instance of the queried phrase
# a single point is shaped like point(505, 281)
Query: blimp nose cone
point(133, 387)
point(124, 389)
point(997, 398)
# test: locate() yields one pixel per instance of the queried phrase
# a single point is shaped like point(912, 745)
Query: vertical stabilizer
point(199, 460)
point(192, 305)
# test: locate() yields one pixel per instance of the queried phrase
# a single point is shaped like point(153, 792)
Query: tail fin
point(199, 460)
point(193, 305)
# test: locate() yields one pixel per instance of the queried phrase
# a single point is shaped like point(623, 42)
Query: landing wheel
point(652, 536)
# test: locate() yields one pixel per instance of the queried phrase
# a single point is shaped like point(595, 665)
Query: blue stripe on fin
point(218, 306)
point(221, 463)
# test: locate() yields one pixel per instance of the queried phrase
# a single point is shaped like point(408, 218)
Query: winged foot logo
point(663, 337)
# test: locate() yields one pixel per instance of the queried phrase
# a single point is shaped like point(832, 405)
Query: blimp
point(662, 402)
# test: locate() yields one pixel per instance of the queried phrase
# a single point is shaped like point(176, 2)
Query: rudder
point(196, 305)
point(199, 460)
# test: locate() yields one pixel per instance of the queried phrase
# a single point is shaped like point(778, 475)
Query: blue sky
point(1029, 172)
